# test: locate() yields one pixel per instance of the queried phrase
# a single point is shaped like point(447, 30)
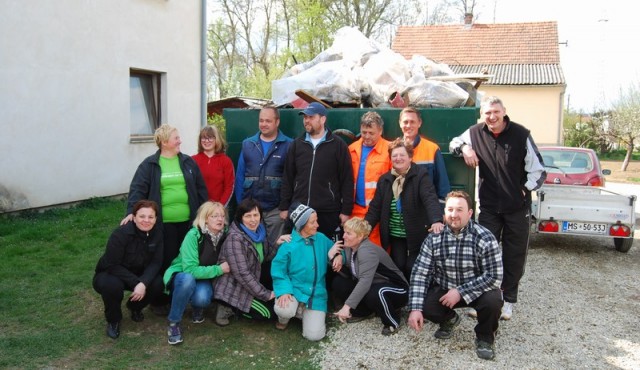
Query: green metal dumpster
point(438, 124)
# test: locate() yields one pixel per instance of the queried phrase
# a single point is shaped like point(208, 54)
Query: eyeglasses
point(207, 139)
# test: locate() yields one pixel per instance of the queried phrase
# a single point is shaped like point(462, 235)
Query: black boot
point(113, 329)
point(137, 316)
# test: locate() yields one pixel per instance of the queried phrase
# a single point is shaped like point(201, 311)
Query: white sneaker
point(507, 311)
point(471, 312)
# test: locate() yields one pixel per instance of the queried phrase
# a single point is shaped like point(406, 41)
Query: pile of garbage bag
point(357, 70)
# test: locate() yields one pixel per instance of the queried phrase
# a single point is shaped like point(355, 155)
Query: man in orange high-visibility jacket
point(369, 160)
point(426, 153)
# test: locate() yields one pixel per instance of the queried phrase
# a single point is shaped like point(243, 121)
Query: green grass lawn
point(52, 317)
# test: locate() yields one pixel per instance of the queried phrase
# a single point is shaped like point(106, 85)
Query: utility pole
point(602, 67)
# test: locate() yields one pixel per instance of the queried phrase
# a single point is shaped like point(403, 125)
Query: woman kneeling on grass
point(190, 276)
point(375, 285)
point(248, 252)
point(132, 261)
point(299, 270)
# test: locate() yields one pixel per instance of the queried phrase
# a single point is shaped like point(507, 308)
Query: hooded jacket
point(319, 177)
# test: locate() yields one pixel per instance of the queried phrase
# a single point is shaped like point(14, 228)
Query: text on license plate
point(583, 227)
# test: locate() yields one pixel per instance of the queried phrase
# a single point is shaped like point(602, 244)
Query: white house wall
point(64, 92)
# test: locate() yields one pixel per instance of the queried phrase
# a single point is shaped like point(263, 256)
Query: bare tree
point(467, 6)
point(368, 16)
point(624, 121)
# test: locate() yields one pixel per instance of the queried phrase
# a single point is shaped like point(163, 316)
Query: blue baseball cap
point(314, 108)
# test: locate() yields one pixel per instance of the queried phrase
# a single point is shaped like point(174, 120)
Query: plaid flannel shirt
point(470, 261)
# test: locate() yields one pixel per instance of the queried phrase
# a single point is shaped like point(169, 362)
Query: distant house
point(83, 85)
point(523, 59)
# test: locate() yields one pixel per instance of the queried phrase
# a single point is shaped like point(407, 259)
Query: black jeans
point(512, 230)
point(328, 223)
point(173, 233)
point(385, 299)
point(488, 306)
point(402, 257)
point(111, 288)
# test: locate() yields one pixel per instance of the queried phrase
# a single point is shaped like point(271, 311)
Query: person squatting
point(321, 229)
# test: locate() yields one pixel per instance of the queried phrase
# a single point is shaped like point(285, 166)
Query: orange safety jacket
point(428, 154)
point(378, 163)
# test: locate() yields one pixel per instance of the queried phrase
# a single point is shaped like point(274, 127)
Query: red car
point(572, 166)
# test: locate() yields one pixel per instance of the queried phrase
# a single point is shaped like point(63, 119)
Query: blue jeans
point(187, 289)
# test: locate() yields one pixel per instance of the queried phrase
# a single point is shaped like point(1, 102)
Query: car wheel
point(623, 244)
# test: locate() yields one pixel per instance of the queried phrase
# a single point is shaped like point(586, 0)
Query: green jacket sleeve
point(191, 259)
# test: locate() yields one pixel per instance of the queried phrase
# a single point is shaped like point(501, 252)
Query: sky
point(603, 43)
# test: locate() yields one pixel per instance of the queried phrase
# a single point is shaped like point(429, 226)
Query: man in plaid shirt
point(459, 267)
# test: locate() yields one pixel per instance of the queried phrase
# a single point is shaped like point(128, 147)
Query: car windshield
point(567, 161)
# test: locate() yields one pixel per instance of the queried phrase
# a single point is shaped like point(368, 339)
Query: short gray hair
point(371, 119)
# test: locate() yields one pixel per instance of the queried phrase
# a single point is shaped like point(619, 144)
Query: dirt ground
point(630, 176)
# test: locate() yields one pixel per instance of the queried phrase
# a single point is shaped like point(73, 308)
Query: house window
point(146, 109)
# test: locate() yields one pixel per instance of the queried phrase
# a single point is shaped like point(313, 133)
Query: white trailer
point(585, 210)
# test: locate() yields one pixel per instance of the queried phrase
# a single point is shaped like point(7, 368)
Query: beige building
point(83, 85)
point(522, 58)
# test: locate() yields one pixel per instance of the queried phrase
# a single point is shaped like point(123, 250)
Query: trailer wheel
point(623, 244)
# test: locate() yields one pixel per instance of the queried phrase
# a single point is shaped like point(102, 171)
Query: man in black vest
point(510, 167)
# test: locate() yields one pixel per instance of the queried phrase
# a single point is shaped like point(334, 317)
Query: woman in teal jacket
point(189, 278)
point(299, 271)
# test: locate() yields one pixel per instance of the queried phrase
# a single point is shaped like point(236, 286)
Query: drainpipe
point(203, 64)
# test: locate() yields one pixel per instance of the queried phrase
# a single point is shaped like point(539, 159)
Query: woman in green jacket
point(190, 276)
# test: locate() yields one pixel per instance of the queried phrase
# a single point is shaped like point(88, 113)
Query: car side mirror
point(606, 172)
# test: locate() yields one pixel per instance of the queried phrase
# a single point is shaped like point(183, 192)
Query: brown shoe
point(354, 319)
point(223, 313)
point(281, 326)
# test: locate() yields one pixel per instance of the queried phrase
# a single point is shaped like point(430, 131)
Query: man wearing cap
point(369, 160)
point(318, 173)
point(425, 152)
point(260, 169)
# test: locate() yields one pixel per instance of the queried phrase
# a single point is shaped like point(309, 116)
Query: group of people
point(320, 224)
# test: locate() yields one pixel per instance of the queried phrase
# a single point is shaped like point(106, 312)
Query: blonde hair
point(359, 226)
point(211, 132)
point(163, 133)
point(206, 209)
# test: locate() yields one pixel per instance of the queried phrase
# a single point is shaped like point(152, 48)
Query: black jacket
point(132, 255)
point(146, 184)
point(420, 206)
point(502, 166)
point(320, 178)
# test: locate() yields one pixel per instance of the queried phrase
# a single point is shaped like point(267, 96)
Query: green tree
point(624, 121)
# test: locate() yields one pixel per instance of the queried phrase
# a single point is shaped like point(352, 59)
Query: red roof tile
point(506, 43)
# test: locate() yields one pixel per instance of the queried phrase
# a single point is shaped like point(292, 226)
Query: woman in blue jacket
point(299, 271)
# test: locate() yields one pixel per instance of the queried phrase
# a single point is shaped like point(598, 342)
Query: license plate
point(584, 228)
